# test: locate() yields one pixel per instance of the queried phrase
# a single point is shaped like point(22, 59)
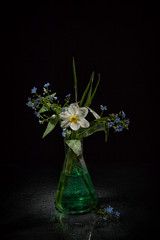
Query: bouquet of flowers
point(72, 116)
point(80, 195)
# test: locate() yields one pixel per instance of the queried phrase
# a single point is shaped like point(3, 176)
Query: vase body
point(75, 193)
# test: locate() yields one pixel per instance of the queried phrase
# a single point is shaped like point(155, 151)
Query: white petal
point(64, 115)
point(84, 123)
point(65, 124)
point(94, 113)
point(82, 112)
point(72, 109)
point(75, 126)
point(53, 116)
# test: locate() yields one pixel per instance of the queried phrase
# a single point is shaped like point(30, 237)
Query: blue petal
point(46, 84)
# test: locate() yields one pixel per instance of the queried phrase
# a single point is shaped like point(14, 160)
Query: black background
point(117, 40)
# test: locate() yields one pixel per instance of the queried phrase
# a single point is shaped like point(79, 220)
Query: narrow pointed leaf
point(96, 87)
point(75, 80)
point(94, 127)
point(51, 125)
point(86, 90)
point(102, 119)
point(88, 101)
point(43, 109)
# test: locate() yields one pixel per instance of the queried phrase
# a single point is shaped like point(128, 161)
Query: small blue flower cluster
point(68, 95)
point(34, 90)
point(111, 212)
point(103, 108)
point(42, 104)
point(37, 114)
point(107, 213)
point(118, 121)
point(45, 88)
point(64, 133)
point(46, 85)
point(67, 99)
point(31, 104)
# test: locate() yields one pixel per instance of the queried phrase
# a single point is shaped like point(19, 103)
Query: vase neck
point(74, 156)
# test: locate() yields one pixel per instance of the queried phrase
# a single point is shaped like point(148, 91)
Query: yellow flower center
point(74, 119)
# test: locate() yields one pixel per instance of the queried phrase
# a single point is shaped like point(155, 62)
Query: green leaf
point(86, 90)
point(51, 125)
point(94, 127)
point(96, 87)
point(88, 101)
point(75, 145)
point(90, 94)
point(106, 129)
point(102, 119)
point(42, 110)
point(75, 80)
point(106, 133)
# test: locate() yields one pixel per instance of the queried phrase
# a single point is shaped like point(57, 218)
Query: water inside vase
point(76, 193)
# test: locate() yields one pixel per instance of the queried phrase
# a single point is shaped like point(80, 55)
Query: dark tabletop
point(28, 211)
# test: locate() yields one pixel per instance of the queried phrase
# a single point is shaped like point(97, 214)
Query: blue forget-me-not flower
point(123, 115)
point(119, 128)
point(34, 90)
point(68, 95)
point(64, 133)
point(45, 90)
point(46, 85)
point(128, 121)
point(117, 120)
point(37, 114)
point(103, 108)
point(110, 124)
point(117, 213)
point(108, 209)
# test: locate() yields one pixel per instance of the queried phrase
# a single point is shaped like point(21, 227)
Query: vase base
point(75, 193)
point(72, 212)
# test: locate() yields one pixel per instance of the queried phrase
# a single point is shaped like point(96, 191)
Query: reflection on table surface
point(86, 226)
point(28, 211)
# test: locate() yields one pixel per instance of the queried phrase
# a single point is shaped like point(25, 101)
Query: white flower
point(74, 117)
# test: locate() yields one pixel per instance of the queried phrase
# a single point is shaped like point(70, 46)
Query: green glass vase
point(75, 193)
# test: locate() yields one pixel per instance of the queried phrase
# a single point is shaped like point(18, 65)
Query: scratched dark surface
point(28, 211)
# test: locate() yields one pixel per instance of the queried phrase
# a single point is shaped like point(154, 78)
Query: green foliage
point(75, 80)
point(75, 145)
point(94, 127)
point(88, 101)
point(42, 110)
point(48, 109)
point(95, 88)
point(51, 125)
point(87, 89)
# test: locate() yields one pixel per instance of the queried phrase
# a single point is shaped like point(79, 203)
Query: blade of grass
point(96, 87)
point(88, 101)
point(75, 80)
point(86, 90)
